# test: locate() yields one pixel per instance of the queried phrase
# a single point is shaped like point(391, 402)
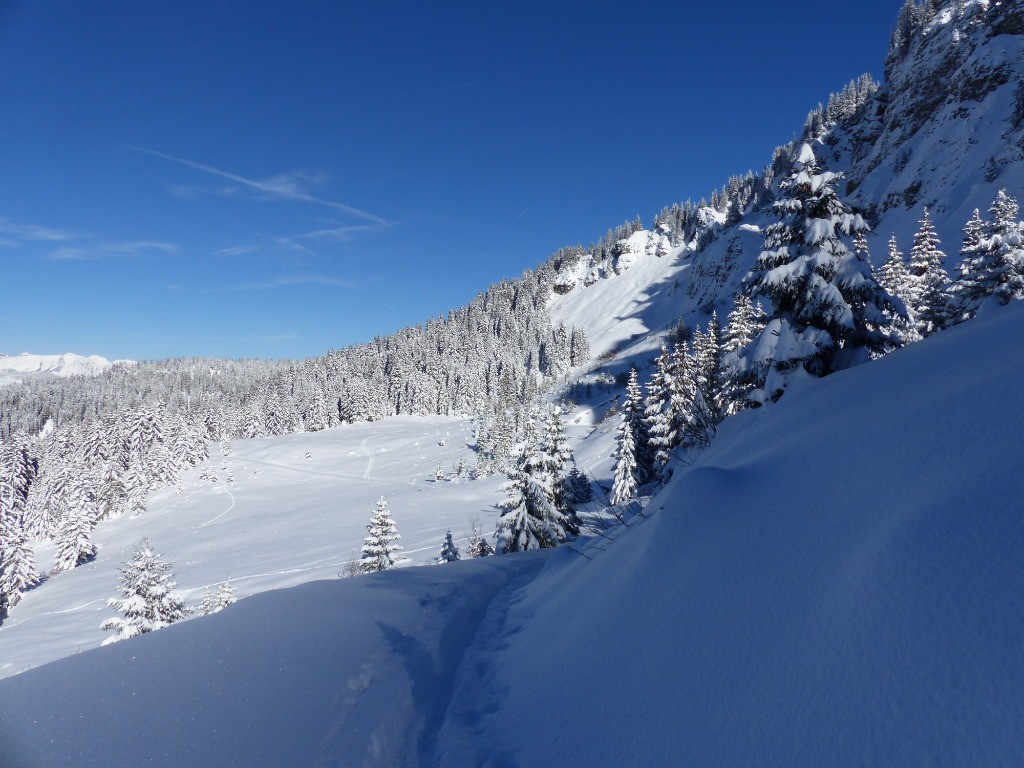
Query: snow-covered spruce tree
point(625, 484)
point(580, 490)
point(449, 551)
point(1008, 243)
point(860, 246)
point(148, 600)
point(633, 414)
point(706, 408)
point(658, 408)
point(744, 323)
point(212, 602)
point(555, 454)
point(529, 518)
point(380, 552)
point(74, 539)
point(993, 257)
point(928, 301)
point(478, 545)
point(893, 276)
point(827, 310)
point(18, 572)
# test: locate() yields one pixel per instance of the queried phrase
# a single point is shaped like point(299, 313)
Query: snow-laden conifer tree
point(625, 484)
point(148, 600)
point(827, 310)
point(580, 490)
point(744, 323)
point(551, 460)
point(928, 302)
point(633, 412)
point(992, 257)
point(449, 551)
point(18, 571)
point(658, 407)
point(893, 276)
point(529, 518)
point(380, 552)
point(478, 545)
point(74, 539)
point(212, 602)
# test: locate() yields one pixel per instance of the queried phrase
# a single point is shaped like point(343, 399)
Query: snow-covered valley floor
point(285, 519)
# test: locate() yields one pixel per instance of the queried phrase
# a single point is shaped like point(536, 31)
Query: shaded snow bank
point(344, 672)
point(836, 581)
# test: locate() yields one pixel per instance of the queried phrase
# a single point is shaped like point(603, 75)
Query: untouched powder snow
point(836, 581)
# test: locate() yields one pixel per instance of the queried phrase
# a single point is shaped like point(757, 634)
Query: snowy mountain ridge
point(945, 130)
point(15, 368)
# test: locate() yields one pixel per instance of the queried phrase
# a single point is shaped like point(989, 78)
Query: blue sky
point(274, 180)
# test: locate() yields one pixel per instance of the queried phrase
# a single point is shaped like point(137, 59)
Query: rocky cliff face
point(947, 130)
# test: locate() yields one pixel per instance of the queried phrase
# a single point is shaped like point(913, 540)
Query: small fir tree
point(927, 297)
point(212, 602)
point(993, 265)
point(148, 600)
point(530, 519)
point(633, 411)
point(625, 485)
point(742, 326)
point(380, 553)
point(658, 408)
point(74, 541)
point(894, 278)
point(449, 552)
point(478, 545)
point(974, 278)
point(580, 490)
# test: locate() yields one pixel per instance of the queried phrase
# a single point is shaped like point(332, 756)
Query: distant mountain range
point(17, 368)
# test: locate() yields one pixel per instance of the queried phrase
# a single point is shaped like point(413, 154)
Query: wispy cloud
point(292, 186)
point(237, 250)
point(287, 282)
point(34, 233)
point(131, 249)
point(343, 234)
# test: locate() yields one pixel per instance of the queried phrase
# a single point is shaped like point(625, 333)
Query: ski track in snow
point(368, 455)
point(214, 519)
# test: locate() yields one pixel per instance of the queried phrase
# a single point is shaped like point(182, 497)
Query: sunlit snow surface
point(836, 581)
point(284, 520)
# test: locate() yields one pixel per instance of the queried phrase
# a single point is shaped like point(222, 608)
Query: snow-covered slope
point(283, 519)
point(17, 368)
point(834, 582)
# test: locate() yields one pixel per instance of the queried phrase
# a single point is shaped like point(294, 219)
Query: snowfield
point(285, 519)
point(834, 582)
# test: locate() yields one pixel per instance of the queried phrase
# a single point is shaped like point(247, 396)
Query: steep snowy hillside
point(19, 367)
point(834, 582)
point(946, 130)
